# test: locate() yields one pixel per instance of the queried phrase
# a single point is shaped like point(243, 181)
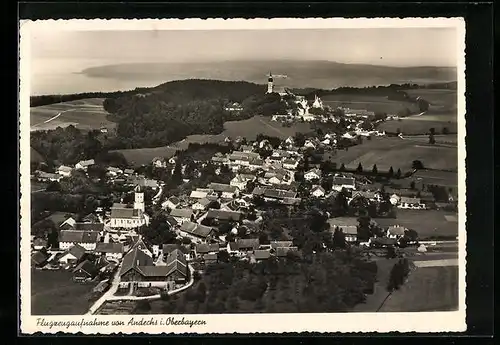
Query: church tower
point(270, 83)
point(139, 199)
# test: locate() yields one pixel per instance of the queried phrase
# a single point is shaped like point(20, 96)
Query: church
point(124, 216)
point(272, 88)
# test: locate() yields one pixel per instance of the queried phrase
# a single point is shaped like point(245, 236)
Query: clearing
point(55, 293)
point(85, 114)
point(427, 223)
point(427, 289)
point(370, 103)
point(398, 153)
point(248, 128)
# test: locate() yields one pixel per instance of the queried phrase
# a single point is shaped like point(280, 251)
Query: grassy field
point(249, 129)
point(427, 223)
point(449, 139)
point(413, 125)
point(398, 153)
point(84, 114)
point(442, 178)
point(443, 98)
point(54, 293)
point(427, 289)
point(375, 300)
point(371, 103)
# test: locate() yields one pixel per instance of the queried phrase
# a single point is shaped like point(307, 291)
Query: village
point(224, 220)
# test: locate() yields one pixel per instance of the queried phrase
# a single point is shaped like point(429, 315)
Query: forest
point(331, 282)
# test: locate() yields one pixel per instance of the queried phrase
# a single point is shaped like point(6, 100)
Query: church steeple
point(270, 83)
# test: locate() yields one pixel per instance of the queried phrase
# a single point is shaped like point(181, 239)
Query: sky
point(390, 46)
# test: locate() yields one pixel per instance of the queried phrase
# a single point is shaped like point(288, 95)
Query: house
point(340, 182)
point(128, 172)
point(226, 191)
point(246, 148)
point(283, 251)
point(91, 218)
point(224, 216)
point(260, 254)
point(318, 191)
point(200, 193)
point(382, 242)
point(280, 244)
point(273, 194)
point(113, 171)
point(309, 143)
point(201, 249)
point(64, 170)
point(171, 203)
point(39, 243)
point(169, 248)
point(86, 239)
point(239, 158)
point(313, 174)
point(290, 163)
point(46, 177)
point(95, 227)
point(138, 269)
point(196, 232)
point(240, 181)
point(69, 223)
point(394, 199)
point(147, 183)
point(39, 259)
point(290, 141)
point(235, 106)
point(101, 286)
point(182, 215)
point(110, 250)
point(248, 244)
point(396, 231)
point(85, 271)
point(211, 258)
point(279, 177)
point(84, 165)
point(159, 162)
point(256, 164)
point(72, 255)
point(411, 203)
point(201, 205)
point(350, 233)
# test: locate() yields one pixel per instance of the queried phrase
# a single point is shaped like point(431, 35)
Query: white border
point(245, 323)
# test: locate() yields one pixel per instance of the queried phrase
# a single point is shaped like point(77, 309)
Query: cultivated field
point(414, 125)
point(442, 178)
point(438, 98)
point(249, 129)
point(371, 103)
point(427, 223)
point(54, 293)
point(398, 153)
point(427, 289)
point(84, 114)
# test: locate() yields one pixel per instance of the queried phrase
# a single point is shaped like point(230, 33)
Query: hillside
point(316, 74)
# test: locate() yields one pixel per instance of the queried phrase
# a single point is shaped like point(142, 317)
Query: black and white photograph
point(246, 175)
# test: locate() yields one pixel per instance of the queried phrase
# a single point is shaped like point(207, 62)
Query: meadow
point(427, 223)
point(419, 125)
point(55, 293)
point(84, 114)
point(427, 289)
point(398, 153)
point(371, 103)
point(248, 128)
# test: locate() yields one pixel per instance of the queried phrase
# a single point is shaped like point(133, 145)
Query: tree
point(342, 167)
point(412, 185)
point(432, 131)
point(374, 169)
point(398, 174)
point(338, 238)
point(398, 130)
point(264, 238)
point(391, 172)
point(176, 179)
point(417, 164)
point(432, 140)
point(359, 169)
point(445, 130)
point(201, 292)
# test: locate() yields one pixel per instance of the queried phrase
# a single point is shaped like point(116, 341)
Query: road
point(108, 294)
